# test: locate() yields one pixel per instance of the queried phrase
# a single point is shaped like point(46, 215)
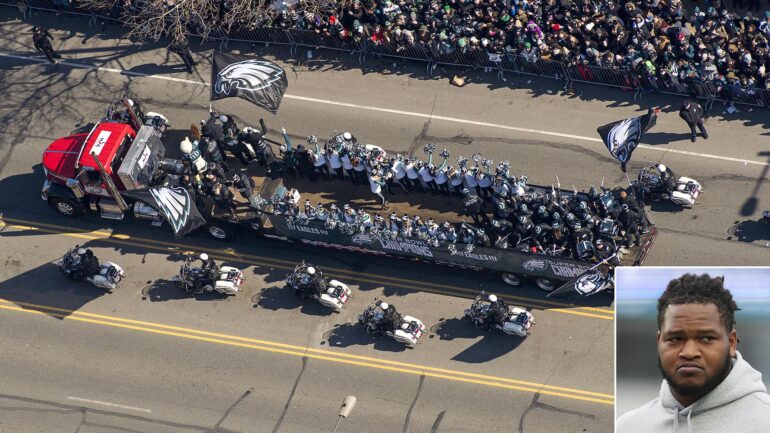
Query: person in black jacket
point(244, 185)
point(42, 39)
point(181, 47)
point(210, 128)
point(692, 113)
point(628, 219)
point(475, 208)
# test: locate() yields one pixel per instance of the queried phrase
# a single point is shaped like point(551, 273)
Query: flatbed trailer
point(513, 266)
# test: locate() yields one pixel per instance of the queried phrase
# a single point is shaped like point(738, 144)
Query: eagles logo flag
point(258, 81)
point(174, 204)
point(622, 137)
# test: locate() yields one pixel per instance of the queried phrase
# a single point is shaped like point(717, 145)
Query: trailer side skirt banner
point(467, 256)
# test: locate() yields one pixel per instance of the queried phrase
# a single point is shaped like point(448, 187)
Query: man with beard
point(708, 386)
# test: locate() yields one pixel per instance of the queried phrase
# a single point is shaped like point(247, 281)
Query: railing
point(433, 55)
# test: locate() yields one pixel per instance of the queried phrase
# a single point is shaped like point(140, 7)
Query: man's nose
point(690, 350)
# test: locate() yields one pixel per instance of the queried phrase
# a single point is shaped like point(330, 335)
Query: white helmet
point(130, 102)
point(186, 146)
point(661, 168)
point(347, 136)
point(492, 298)
point(311, 270)
point(81, 251)
point(384, 305)
point(203, 256)
point(223, 118)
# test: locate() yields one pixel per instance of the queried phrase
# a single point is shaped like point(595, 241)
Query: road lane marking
point(281, 348)
point(106, 403)
point(606, 314)
point(399, 112)
point(41, 309)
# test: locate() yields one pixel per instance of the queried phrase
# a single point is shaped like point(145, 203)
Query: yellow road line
point(606, 314)
point(288, 349)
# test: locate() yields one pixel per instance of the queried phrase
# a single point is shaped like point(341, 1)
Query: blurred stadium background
point(638, 289)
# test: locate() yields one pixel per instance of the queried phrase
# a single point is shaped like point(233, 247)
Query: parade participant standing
point(376, 182)
point(469, 178)
point(440, 175)
point(474, 208)
point(210, 151)
point(692, 113)
point(399, 173)
point(413, 175)
point(347, 163)
point(333, 155)
point(359, 169)
point(456, 179)
point(42, 39)
point(181, 47)
point(319, 160)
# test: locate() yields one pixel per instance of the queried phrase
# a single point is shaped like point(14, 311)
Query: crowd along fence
point(433, 55)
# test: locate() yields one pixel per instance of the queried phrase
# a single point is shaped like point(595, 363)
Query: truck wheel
point(510, 279)
point(546, 284)
point(220, 232)
point(66, 207)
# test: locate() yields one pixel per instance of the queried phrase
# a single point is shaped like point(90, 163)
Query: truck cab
point(90, 171)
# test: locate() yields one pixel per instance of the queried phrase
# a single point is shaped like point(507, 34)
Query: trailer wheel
point(510, 279)
point(546, 284)
point(220, 232)
point(66, 207)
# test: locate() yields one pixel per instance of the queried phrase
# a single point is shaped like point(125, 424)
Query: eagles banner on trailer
point(622, 137)
point(174, 204)
point(258, 81)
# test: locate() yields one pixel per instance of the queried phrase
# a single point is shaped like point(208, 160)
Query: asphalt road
point(297, 359)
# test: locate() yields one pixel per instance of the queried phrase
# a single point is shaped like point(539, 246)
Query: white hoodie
point(740, 404)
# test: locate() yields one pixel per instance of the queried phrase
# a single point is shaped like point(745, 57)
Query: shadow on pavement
point(165, 290)
point(282, 298)
point(353, 334)
point(749, 231)
point(655, 138)
point(492, 344)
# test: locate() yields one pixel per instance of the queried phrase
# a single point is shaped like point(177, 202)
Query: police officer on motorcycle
point(497, 311)
point(667, 177)
point(209, 267)
point(391, 320)
point(89, 264)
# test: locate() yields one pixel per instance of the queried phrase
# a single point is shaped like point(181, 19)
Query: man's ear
point(658, 337)
point(732, 338)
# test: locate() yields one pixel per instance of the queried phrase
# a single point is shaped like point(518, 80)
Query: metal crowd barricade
point(265, 35)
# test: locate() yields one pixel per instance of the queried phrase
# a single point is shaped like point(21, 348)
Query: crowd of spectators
point(656, 38)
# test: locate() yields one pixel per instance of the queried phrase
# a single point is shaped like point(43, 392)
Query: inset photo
point(692, 349)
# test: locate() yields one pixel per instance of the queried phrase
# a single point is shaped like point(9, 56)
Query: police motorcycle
point(226, 280)
point(683, 191)
point(517, 321)
point(380, 318)
point(309, 282)
point(74, 265)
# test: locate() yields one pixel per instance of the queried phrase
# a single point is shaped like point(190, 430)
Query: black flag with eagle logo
point(622, 137)
point(258, 81)
point(174, 204)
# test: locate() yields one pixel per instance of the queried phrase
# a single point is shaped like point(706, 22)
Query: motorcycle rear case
point(330, 301)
